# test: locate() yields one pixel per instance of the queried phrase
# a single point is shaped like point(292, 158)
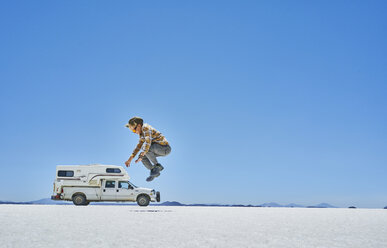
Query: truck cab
point(121, 190)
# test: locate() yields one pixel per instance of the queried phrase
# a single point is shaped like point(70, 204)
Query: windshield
point(134, 186)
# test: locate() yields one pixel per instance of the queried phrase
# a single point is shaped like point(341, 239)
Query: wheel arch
point(143, 194)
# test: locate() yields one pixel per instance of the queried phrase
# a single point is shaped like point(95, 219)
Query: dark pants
point(155, 150)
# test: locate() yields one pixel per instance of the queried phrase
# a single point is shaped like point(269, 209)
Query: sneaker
point(155, 172)
point(150, 178)
point(159, 166)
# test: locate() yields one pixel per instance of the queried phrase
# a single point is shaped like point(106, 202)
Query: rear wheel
point(143, 200)
point(79, 200)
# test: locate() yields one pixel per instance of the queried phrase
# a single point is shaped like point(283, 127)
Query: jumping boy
point(152, 143)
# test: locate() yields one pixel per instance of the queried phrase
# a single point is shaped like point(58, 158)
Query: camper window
point(113, 170)
point(63, 173)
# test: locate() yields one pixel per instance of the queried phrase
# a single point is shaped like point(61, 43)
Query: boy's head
point(133, 123)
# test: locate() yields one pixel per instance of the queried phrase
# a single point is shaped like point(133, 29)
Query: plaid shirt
point(148, 136)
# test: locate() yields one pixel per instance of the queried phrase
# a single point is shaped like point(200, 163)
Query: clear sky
point(262, 101)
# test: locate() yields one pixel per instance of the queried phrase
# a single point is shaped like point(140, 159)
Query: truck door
point(125, 191)
point(109, 190)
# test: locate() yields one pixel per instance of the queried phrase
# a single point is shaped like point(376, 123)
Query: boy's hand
point(140, 157)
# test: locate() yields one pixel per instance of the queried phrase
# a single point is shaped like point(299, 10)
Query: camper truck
point(83, 184)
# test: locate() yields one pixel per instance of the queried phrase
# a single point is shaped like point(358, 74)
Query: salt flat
point(154, 226)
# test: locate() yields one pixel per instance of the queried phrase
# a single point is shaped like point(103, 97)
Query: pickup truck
point(83, 184)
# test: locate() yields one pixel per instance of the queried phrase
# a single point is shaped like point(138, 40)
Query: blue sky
point(262, 101)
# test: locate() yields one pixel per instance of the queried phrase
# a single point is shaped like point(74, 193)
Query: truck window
point(110, 184)
point(123, 185)
point(131, 184)
point(63, 173)
point(113, 170)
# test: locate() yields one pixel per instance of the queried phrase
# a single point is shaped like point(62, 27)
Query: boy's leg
point(161, 150)
point(150, 162)
point(151, 156)
point(147, 163)
point(157, 150)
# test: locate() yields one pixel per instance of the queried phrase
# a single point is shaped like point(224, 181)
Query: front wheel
point(143, 200)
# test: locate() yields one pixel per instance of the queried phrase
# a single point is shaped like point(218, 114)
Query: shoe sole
point(150, 178)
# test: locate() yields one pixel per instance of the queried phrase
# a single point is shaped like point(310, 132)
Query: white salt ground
point(153, 226)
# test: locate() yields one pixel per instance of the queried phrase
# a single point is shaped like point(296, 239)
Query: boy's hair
point(135, 121)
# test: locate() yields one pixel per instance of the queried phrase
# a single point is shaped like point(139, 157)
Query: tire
point(79, 200)
point(158, 196)
point(143, 200)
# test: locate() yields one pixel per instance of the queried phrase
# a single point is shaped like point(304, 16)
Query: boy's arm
point(147, 143)
point(137, 149)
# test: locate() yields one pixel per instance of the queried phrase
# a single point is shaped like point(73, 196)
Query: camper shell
point(83, 184)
